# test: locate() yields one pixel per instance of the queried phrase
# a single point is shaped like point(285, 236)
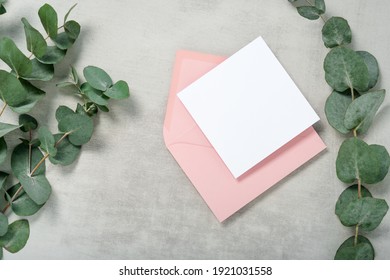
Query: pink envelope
point(222, 192)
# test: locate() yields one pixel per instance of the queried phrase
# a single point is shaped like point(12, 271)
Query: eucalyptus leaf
point(96, 96)
point(68, 13)
point(53, 55)
point(16, 237)
point(14, 58)
point(63, 111)
point(66, 85)
point(27, 123)
point(49, 20)
point(34, 94)
point(361, 112)
point(349, 195)
point(67, 153)
point(79, 127)
point(3, 224)
point(336, 32)
point(3, 151)
point(63, 41)
point(2, 11)
point(120, 90)
point(3, 179)
point(40, 71)
point(11, 90)
point(36, 44)
point(72, 29)
point(345, 69)
point(373, 68)
point(363, 250)
point(320, 5)
point(335, 108)
point(74, 75)
point(23, 205)
point(309, 12)
point(36, 186)
point(97, 78)
point(103, 108)
point(6, 128)
point(356, 159)
point(47, 141)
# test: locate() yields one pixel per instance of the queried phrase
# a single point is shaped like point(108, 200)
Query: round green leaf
point(67, 153)
point(97, 78)
point(24, 205)
point(36, 44)
point(49, 20)
point(14, 58)
point(335, 107)
point(47, 141)
point(336, 32)
point(349, 195)
point(6, 128)
point(11, 90)
point(27, 123)
point(63, 41)
point(34, 94)
point(40, 71)
point(36, 186)
point(63, 111)
point(72, 28)
point(3, 224)
point(363, 250)
point(361, 112)
point(345, 69)
point(119, 90)
point(53, 55)
point(3, 150)
point(373, 68)
point(309, 12)
point(356, 158)
point(96, 96)
point(367, 212)
point(79, 127)
point(16, 237)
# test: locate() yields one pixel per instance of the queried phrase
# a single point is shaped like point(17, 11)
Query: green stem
point(355, 242)
point(3, 108)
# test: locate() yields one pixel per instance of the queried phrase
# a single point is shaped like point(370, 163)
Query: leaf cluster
point(350, 109)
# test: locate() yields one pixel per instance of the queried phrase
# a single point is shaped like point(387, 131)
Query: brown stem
point(359, 188)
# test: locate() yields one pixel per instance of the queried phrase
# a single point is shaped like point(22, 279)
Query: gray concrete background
point(126, 198)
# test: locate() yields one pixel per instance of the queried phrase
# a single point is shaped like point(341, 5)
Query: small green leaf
point(36, 186)
point(63, 41)
point(49, 20)
point(119, 90)
point(80, 110)
point(373, 68)
point(356, 159)
point(16, 237)
point(53, 55)
point(96, 96)
point(3, 224)
point(349, 195)
point(335, 108)
point(11, 90)
point(345, 69)
point(79, 127)
point(67, 153)
point(97, 78)
point(6, 128)
point(336, 32)
point(3, 179)
point(24, 205)
point(74, 76)
point(47, 141)
point(320, 5)
point(72, 29)
point(2, 11)
point(363, 250)
point(3, 151)
point(36, 44)
point(103, 108)
point(27, 123)
point(362, 110)
point(68, 13)
point(63, 111)
point(367, 212)
point(14, 58)
point(34, 94)
point(309, 12)
point(66, 85)
point(40, 71)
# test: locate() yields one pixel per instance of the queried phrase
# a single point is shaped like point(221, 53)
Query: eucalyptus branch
point(351, 107)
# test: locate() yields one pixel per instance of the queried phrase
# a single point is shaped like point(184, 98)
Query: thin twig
point(3, 108)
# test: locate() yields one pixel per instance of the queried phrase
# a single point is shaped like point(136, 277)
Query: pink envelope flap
point(222, 192)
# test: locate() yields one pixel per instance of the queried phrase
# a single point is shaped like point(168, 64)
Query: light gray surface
point(126, 197)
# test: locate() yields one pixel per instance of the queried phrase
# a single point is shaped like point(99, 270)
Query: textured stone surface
point(126, 198)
